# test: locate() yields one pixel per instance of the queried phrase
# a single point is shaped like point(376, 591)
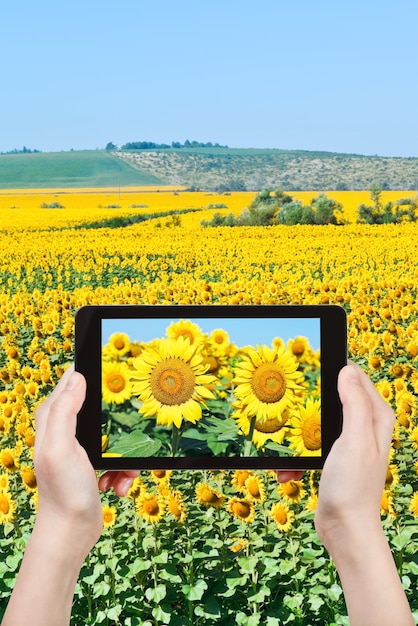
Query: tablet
point(210, 387)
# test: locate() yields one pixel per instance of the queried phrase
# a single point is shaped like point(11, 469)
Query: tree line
point(151, 145)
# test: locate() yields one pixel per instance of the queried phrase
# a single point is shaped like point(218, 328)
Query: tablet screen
point(209, 387)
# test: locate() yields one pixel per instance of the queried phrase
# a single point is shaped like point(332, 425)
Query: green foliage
point(52, 205)
point(276, 207)
point(403, 210)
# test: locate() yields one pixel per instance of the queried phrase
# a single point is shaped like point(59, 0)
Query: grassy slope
point(87, 168)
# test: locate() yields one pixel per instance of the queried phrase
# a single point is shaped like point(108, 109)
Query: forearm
point(44, 589)
point(371, 584)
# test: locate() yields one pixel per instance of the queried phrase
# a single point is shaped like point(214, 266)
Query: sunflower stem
point(249, 439)
point(175, 438)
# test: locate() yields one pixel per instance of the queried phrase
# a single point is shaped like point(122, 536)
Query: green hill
point(219, 169)
point(87, 168)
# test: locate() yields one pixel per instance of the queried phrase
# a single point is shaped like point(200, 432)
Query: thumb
point(357, 405)
point(62, 416)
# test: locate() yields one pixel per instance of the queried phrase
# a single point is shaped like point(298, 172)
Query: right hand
point(354, 473)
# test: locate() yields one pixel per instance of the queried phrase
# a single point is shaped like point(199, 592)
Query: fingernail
point(72, 382)
point(352, 374)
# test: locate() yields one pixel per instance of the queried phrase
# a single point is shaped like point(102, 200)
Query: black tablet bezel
point(88, 355)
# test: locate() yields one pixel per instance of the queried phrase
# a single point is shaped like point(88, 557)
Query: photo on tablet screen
point(211, 387)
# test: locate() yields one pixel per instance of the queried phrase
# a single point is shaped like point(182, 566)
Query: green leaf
point(196, 591)
point(156, 594)
point(210, 609)
point(282, 450)
point(125, 419)
point(135, 444)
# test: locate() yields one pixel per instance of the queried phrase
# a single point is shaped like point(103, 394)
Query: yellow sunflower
point(266, 383)
point(109, 516)
point(413, 505)
point(386, 504)
point(172, 382)
point(7, 507)
point(392, 476)
point(9, 459)
point(239, 478)
point(242, 509)
point(116, 386)
point(254, 489)
point(151, 507)
point(186, 329)
point(282, 515)
point(28, 477)
point(176, 506)
point(305, 433)
point(208, 496)
point(159, 476)
point(291, 491)
point(239, 544)
point(219, 342)
point(119, 344)
point(273, 429)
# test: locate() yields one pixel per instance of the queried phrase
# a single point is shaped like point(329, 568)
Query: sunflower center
point(280, 516)
point(4, 505)
point(119, 343)
point(298, 348)
point(269, 382)
point(172, 381)
point(242, 509)
point(151, 507)
point(115, 382)
point(187, 334)
point(209, 496)
point(311, 434)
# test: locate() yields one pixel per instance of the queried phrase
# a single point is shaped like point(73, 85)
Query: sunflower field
point(200, 547)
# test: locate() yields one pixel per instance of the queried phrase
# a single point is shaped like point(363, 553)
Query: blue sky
point(323, 75)
point(242, 332)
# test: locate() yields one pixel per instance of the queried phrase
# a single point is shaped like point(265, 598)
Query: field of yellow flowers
point(201, 547)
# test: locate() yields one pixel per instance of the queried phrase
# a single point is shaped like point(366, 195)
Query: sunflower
point(151, 507)
point(282, 515)
point(4, 482)
point(175, 505)
point(386, 504)
point(208, 496)
point(413, 435)
point(172, 382)
point(109, 516)
point(7, 507)
point(119, 344)
point(392, 476)
point(239, 478)
point(254, 489)
point(242, 509)
point(116, 386)
point(159, 476)
point(413, 505)
point(305, 433)
point(9, 460)
point(273, 429)
point(292, 491)
point(385, 389)
point(312, 502)
point(136, 488)
point(239, 544)
point(298, 347)
point(219, 341)
point(186, 329)
point(266, 383)
point(28, 477)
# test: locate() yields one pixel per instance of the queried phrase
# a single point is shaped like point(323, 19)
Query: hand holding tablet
point(210, 387)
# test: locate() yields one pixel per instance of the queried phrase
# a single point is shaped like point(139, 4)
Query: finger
point(62, 417)
point(383, 417)
point(121, 481)
point(357, 406)
point(41, 414)
point(283, 476)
